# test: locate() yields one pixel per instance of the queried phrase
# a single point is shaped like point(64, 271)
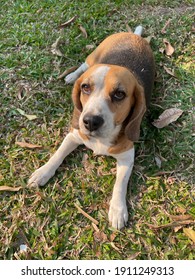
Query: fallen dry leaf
point(134, 256)
point(68, 22)
point(170, 72)
point(10, 189)
point(176, 229)
point(55, 48)
point(113, 236)
point(23, 89)
point(180, 217)
point(169, 50)
point(27, 145)
point(39, 11)
point(190, 233)
point(167, 117)
point(29, 117)
point(83, 30)
point(181, 210)
point(100, 236)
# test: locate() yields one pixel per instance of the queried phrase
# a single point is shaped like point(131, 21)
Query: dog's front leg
point(44, 173)
point(72, 77)
point(118, 215)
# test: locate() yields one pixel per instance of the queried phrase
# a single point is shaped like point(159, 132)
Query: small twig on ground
point(86, 215)
point(163, 30)
point(67, 23)
point(10, 189)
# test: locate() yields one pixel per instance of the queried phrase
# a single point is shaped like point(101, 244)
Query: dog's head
point(108, 98)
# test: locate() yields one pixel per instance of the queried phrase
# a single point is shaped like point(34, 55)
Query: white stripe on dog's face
point(98, 87)
point(96, 105)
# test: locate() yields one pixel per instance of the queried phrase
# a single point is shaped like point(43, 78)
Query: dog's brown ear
point(132, 129)
point(76, 92)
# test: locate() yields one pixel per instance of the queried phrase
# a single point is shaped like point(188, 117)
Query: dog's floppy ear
point(132, 129)
point(76, 92)
point(77, 104)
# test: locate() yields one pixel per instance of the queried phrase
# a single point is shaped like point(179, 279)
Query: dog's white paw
point(71, 78)
point(118, 215)
point(41, 176)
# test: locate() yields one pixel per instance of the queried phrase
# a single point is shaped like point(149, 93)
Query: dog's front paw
point(118, 215)
point(40, 176)
point(71, 78)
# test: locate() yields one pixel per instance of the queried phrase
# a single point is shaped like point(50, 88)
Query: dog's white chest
point(98, 146)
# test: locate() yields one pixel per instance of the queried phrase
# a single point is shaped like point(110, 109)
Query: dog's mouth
point(98, 126)
point(92, 134)
point(96, 134)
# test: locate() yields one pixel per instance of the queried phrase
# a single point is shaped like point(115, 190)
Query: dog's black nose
point(92, 122)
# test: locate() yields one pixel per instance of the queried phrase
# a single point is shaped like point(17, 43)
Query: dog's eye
point(118, 95)
point(86, 88)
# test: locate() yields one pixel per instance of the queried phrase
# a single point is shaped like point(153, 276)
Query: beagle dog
point(110, 95)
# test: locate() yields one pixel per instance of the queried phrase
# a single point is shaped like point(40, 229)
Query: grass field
point(161, 196)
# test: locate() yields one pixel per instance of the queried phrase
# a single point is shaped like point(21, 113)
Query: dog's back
point(131, 51)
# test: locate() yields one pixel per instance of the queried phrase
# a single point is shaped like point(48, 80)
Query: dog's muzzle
point(92, 122)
